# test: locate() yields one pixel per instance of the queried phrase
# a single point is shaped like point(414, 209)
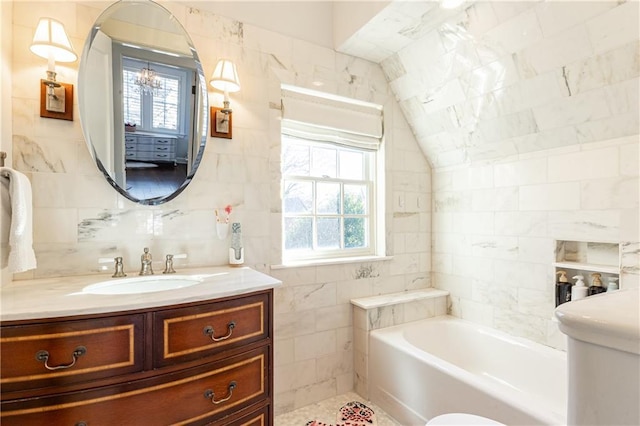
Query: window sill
point(334, 261)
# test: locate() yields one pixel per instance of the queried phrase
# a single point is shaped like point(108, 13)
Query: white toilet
point(461, 419)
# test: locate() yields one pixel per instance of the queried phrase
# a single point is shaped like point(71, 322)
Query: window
point(330, 185)
point(154, 112)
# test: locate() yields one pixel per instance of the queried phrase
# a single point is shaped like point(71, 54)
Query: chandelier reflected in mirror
point(147, 81)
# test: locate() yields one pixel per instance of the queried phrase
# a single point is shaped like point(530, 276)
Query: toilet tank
point(603, 355)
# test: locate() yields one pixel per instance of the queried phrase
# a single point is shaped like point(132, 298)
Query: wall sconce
point(50, 41)
point(225, 78)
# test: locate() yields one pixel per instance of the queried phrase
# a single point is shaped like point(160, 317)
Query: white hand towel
point(17, 209)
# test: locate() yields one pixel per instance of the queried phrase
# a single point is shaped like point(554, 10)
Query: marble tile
point(555, 17)
point(312, 346)
point(514, 34)
point(314, 296)
point(628, 155)
point(592, 164)
point(554, 52)
point(577, 109)
point(617, 192)
point(608, 128)
point(495, 75)
point(615, 27)
point(521, 223)
point(602, 69)
point(509, 10)
point(498, 199)
point(521, 274)
point(591, 225)
point(630, 258)
point(555, 196)
point(494, 246)
point(623, 97)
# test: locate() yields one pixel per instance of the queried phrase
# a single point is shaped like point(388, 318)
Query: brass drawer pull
point(81, 424)
point(43, 356)
point(210, 395)
point(208, 331)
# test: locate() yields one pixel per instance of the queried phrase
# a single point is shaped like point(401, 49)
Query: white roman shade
point(320, 117)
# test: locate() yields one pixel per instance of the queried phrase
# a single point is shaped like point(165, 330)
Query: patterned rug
point(353, 413)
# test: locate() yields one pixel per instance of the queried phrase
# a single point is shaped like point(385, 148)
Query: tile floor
point(326, 411)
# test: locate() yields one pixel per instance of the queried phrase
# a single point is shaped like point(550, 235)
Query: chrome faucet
point(145, 263)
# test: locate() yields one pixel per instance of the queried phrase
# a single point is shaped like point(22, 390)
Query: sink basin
point(144, 284)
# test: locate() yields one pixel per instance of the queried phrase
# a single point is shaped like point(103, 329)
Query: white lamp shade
point(51, 39)
point(225, 76)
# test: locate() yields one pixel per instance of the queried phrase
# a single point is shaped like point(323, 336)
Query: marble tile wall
point(79, 218)
point(496, 79)
point(495, 228)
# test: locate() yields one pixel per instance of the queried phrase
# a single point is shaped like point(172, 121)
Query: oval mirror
point(143, 101)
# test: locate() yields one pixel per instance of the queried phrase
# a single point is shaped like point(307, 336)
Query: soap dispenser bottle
point(563, 288)
point(579, 290)
point(596, 285)
point(613, 285)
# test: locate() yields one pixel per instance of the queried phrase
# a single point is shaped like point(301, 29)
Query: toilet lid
point(461, 419)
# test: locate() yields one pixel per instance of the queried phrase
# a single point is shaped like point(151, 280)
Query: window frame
point(372, 215)
point(146, 101)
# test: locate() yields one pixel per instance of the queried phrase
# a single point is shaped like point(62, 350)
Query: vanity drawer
point(186, 334)
point(59, 353)
point(259, 417)
point(180, 398)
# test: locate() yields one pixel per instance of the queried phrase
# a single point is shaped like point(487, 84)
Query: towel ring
point(3, 155)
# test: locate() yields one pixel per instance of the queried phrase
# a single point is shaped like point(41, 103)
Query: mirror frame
point(199, 121)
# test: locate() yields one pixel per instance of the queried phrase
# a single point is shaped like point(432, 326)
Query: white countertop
point(63, 296)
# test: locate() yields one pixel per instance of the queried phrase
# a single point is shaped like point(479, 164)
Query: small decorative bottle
point(579, 290)
point(236, 251)
point(563, 288)
point(596, 285)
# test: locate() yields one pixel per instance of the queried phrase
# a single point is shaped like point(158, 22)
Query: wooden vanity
point(203, 362)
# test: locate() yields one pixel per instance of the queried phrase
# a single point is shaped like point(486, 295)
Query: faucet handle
point(168, 263)
point(117, 263)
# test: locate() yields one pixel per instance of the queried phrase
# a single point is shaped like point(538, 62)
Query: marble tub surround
point(375, 312)
point(529, 115)
point(64, 296)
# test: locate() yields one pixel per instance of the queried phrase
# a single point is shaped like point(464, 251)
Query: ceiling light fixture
point(147, 81)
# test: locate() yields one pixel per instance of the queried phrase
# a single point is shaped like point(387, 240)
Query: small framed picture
point(221, 123)
point(56, 102)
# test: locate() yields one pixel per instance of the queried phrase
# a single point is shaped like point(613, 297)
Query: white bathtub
point(422, 369)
